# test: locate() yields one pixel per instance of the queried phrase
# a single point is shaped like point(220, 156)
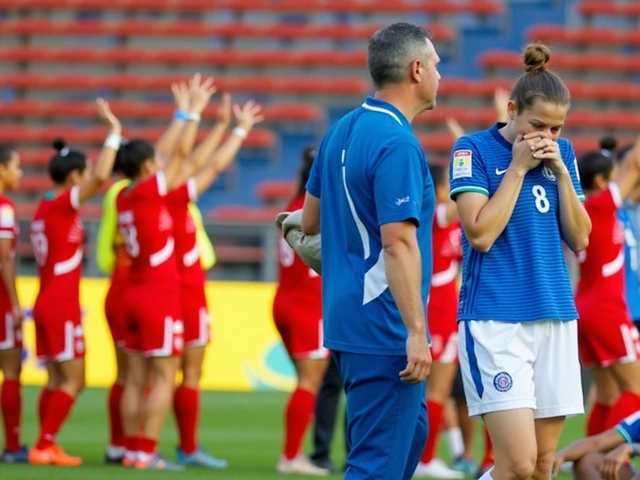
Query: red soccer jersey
point(447, 251)
point(8, 229)
point(184, 232)
point(601, 284)
point(147, 229)
point(57, 237)
point(297, 280)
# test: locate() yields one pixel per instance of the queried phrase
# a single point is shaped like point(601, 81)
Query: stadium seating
point(243, 214)
point(159, 83)
point(139, 28)
point(29, 109)
point(275, 192)
point(583, 36)
point(482, 7)
point(590, 8)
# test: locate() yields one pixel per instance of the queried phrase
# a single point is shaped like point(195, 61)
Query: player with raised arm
point(57, 237)
point(519, 198)
point(443, 316)
point(11, 312)
point(113, 259)
point(199, 171)
point(609, 341)
point(297, 314)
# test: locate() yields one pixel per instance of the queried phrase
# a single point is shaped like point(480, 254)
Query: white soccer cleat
point(301, 465)
point(436, 468)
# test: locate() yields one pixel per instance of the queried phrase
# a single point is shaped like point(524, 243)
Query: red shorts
point(10, 336)
point(197, 323)
point(442, 314)
point(300, 328)
point(59, 333)
point(154, 320)
point(605, 341)
point(115, 311)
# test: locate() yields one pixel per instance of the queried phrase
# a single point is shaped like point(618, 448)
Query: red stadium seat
point(238, 254)
point(20, 134)
point(138, 83)
point(144, 28)
point(564, 61)
point(39, 157)
point(560, 34)
point(609, 8)
point(275, 191)
point(297, 112)
point(26, 210)
point(227, 57)
point(481, 7)
point(242, 214)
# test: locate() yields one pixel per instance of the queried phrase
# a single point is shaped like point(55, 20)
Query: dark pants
point(326, 412)
point(387, 421)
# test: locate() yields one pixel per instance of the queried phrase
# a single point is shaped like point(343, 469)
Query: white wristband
point(113, 141)
point(193, 116)
point(241, 132)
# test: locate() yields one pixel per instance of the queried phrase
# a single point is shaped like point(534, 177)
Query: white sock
point(115, 452)
point(453, 439)
point(487, 475)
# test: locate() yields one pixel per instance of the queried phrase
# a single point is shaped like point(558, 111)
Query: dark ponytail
point(65, 161)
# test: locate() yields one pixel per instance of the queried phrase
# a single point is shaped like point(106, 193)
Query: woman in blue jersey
point(519, 199)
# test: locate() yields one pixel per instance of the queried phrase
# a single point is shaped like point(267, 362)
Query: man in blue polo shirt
point(371, 195)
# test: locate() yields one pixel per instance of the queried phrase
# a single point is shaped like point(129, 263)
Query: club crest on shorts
point(502, 382)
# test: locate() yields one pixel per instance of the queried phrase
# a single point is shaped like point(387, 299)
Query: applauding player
point(57, 238)
point(609, 341)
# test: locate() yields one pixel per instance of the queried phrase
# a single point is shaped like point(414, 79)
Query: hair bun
point(536, 56)
point(608, 143)
point(59, 144)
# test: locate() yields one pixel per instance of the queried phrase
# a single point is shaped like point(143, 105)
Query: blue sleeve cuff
point(622, 431)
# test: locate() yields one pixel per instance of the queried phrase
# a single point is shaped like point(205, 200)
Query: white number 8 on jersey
point(130, 238)
point(542, 202)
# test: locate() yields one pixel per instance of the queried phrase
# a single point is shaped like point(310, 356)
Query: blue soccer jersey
point(629, 428)
point(524, 275)
point(630, 265)
point(369, 170)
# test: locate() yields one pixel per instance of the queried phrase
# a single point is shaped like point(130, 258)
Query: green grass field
point(244, 428)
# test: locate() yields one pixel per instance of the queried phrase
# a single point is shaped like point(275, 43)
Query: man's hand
point(614, 460)
point(557, 463)
point(418, 359)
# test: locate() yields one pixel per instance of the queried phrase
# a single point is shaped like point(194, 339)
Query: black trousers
point(326, 412)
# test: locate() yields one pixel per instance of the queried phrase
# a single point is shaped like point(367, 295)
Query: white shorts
point(534, 365)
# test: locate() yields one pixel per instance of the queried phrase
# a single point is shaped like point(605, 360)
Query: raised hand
point(200, 93)
point(248, 115)
point(181, 95)
point(107, 117)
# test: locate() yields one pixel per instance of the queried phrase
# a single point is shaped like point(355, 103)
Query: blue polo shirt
point(629, 428)
point(369, 170)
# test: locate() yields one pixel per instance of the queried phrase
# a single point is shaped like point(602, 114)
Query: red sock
point(115, 418)
point(58, 410)
point(147, 445)
point(43, 403)
point(11, 405)
point(435, 413)
point(597, 419)
point(627, 404)
point(297, 418)
point(186, 406)
point(488, 458)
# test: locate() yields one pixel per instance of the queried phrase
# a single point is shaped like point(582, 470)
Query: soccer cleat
point(21, 456)
point(300, 464)
point(436, 468)
point(53, 455)
point(327, 464)
point(482, 469)
point(466, 466)
point(113, 460)
point(157, 462)
point(202, 458)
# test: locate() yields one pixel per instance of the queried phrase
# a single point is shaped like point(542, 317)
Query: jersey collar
point(376, 105)
point(495, 131)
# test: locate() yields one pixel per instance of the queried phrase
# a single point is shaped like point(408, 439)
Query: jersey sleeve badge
point(462, 160)
point(7, 217)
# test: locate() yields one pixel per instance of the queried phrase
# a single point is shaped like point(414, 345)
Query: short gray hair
point(392, 49)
